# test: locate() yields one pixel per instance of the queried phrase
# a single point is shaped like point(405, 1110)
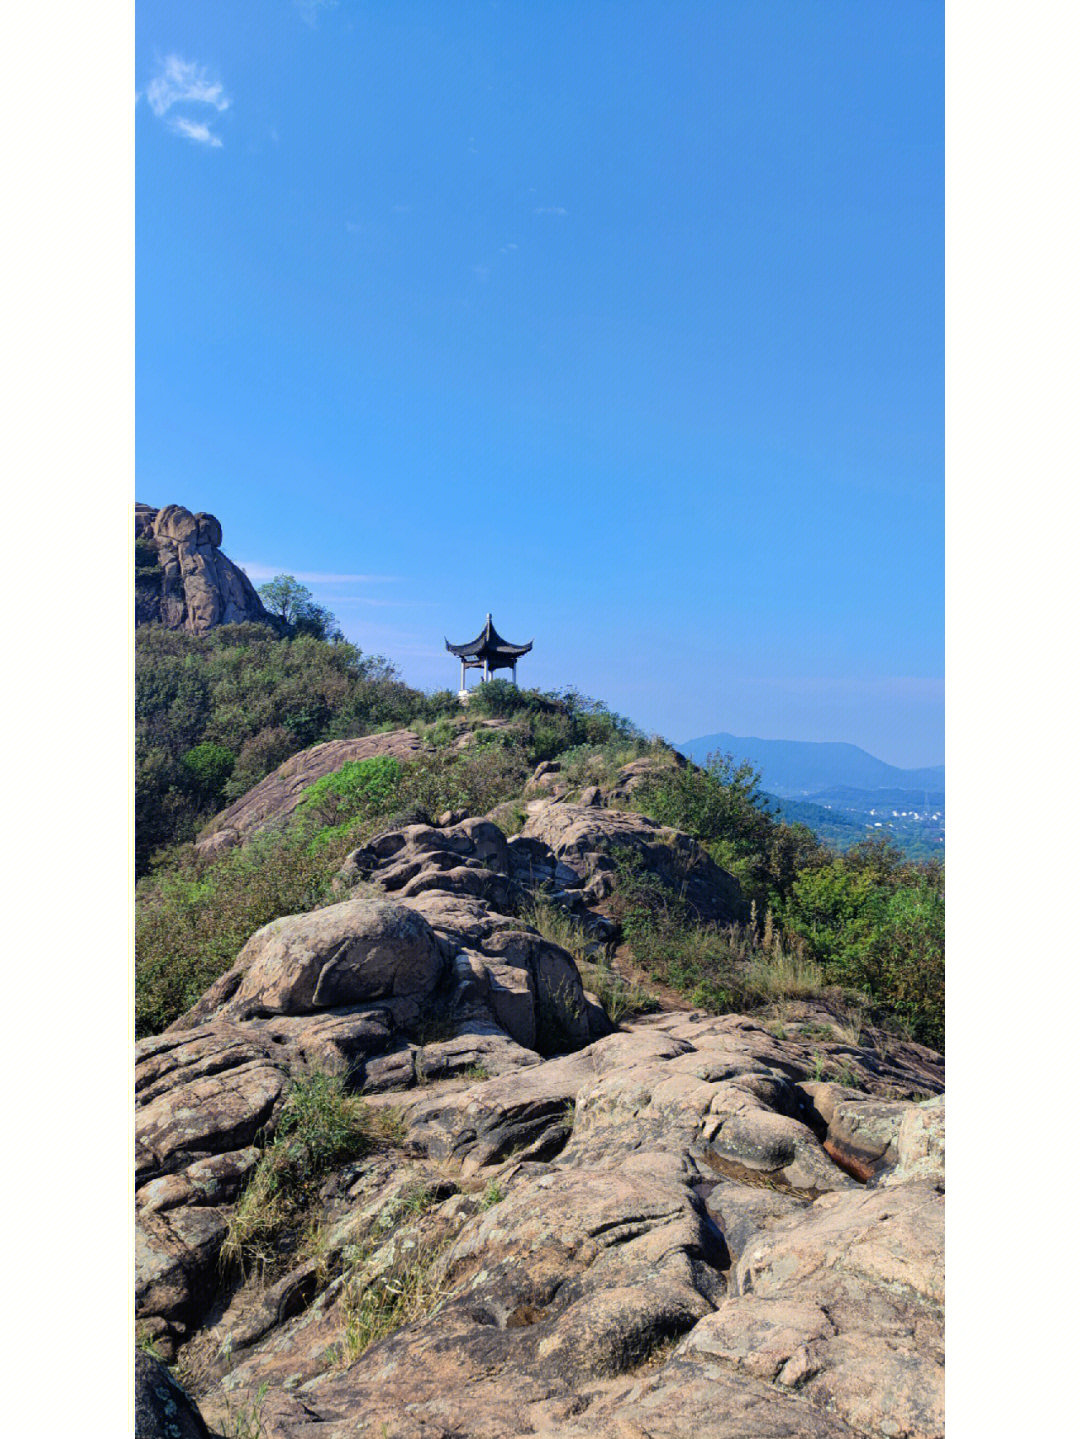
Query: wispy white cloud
point(310, 10)
point(481, 272)
point(195, 130)
point(549, 210)
point(185, 83)
point(258, 573)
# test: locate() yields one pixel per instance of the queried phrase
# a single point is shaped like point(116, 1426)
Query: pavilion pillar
point(462, 674)
point(513, 672)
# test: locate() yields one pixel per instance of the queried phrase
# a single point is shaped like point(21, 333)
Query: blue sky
point(622, 321)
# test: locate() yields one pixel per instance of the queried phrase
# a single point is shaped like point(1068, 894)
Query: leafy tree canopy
point(285, 597)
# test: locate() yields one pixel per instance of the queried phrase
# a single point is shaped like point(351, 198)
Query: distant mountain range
point(791, 768)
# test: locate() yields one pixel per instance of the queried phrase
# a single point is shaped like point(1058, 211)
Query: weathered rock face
point(688, 1226)
point(674, 1252)
point(277, 795)
point(183, 581)
point(587, 838)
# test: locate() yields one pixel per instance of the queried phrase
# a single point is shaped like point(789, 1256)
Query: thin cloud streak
point(258, 573)
point(310, 10)
point(195, 130)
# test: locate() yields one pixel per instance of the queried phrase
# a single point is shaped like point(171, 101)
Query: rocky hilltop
point(182, 580)
point(688, 1224)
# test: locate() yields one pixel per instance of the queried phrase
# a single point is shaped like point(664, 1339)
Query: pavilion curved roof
point(489, 645)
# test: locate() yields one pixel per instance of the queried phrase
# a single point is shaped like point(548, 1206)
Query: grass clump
point(193, 919)
point(245, 1422)
point(405, 1291)
point(620, 998)
point(320, 1125)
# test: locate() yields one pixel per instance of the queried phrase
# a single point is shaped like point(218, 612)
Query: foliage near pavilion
point(216, 713)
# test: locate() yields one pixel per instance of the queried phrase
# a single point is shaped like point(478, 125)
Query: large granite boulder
point(182, 580)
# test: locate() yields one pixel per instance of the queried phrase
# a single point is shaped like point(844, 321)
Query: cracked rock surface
point(687, 1226)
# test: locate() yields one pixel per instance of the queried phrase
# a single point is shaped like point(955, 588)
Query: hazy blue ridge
point(791, 768)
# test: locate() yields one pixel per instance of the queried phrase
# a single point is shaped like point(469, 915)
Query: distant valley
point(840, 791)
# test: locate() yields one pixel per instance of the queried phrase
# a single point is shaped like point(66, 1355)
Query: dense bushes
point(723, 807)
point(244, 690)
point(867, 920)
point(554, 721)
point(194, 916)
point(878, 924)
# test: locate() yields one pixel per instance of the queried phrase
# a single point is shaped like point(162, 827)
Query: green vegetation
point(246, 690)
point(217, 712)
point(245, 1422)
point(620, 998)
point(293, 603)
point(321, 1124)
point(876, 922)
point(492, 1195)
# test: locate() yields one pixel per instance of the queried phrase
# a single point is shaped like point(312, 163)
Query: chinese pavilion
point(489, 652)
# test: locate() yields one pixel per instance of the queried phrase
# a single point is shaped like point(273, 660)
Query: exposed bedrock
point(669, 1229)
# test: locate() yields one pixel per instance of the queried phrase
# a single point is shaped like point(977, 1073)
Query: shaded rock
point(182, 580)
point(163, 1410)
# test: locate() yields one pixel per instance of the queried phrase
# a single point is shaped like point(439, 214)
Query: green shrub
point(878, 925)
point(498, 698)
point(259, 696)
point(208, 766)
point(364, 787)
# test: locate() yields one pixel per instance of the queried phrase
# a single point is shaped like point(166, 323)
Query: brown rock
point(586, 839)
point(193, 586)
point(277, 795)
point(362, 949)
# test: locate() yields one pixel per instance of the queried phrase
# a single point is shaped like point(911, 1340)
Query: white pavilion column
point(462, 674)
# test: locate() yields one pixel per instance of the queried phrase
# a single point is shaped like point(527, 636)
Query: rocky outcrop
point(182, 580)
point(278, 794)
point(589, 839)
point(716, 1226)
point(670, 1250)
